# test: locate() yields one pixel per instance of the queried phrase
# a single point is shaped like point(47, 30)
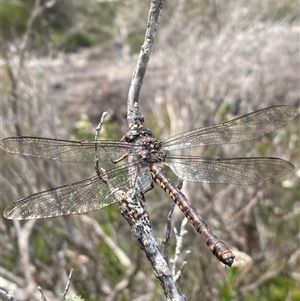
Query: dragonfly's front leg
point(121, 158)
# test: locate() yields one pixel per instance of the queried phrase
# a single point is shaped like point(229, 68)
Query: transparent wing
point(239, 171)
point(83, 196)
point(144, 180)
point(64, 150)
point(247, 127)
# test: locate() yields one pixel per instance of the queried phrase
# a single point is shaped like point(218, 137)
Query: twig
point(99, 126)
point(14, 77)
point(168, 234)
point(37, 10)
point(23, 234)
point(68, 285)
point(267, 276)
point(78, 240)
point(124, 283)
point(43, 298)
point(7, 296)
point(122, 257)
point(132, 205)
point(144, 56)
point(179, 240)
point(132, 209)
point(10, 276)
point(98, 130)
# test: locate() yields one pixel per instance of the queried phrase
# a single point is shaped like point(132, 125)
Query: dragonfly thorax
point(149, 150)
point(136, 132)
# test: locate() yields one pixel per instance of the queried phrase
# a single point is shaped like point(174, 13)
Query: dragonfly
point(147, 158)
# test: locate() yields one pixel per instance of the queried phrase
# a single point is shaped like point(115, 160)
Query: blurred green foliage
point(14, 16)
point(277, 289)
point(228, 287)
point(71, 25)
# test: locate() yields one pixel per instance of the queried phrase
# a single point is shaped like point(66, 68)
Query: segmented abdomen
point(218, 248)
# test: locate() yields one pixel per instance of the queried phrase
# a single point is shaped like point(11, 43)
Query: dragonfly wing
point(144, 180)
point(80, 197)
point(239, 171)
point(247, 127)
point(64, 150)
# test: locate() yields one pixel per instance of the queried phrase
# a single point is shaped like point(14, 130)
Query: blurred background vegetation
point(65, 62)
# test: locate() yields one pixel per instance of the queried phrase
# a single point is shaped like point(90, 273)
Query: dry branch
point(133, 208)
point(143, 59)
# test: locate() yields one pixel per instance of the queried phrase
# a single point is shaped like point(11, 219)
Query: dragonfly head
point(137, 131)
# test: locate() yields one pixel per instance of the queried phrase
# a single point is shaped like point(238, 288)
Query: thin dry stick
point(123, 284)
point(43, 298)
point(7, 296)
point(23, 234)
point(132, 209)
point(267, 276)
point(168, 233)
point(178, 249)
point(132, 206)
point(14, 77)
point(120, 255)
point(144, 56)
point(68, 284)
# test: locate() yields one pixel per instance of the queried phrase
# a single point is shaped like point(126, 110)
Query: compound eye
point(131, 135)
point(148, 132)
